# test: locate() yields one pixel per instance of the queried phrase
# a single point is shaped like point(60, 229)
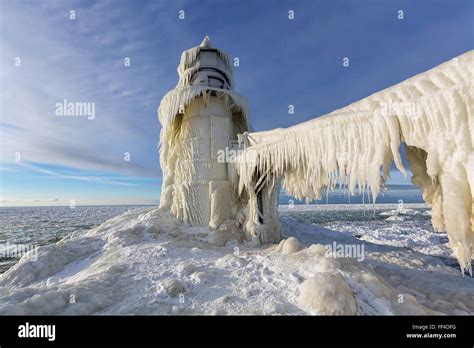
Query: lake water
point(38, 226)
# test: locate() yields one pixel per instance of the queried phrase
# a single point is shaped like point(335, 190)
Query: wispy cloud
point(96, 179)
point(83, 62)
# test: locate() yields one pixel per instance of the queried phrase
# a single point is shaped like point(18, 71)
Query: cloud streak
point(96, 179)
point(82, 63)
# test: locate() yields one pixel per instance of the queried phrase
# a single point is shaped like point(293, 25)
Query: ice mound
point(395, 212)
point(174, 287)
point(395, 218)
point(290, 245)
point(328, 294)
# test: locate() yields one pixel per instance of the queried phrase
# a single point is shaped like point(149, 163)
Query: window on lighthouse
point(216, 82)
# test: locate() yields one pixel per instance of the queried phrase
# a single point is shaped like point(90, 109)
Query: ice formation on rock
point(430, 113)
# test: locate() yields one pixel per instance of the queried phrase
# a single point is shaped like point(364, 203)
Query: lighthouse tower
point(200, 120)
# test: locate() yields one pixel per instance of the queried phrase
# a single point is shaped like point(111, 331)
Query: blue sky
point(282, 62)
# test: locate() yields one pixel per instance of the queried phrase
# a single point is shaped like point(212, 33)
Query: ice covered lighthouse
point(429, 114)
point(201, 119)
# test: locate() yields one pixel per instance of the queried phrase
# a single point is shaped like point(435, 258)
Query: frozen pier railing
point(430, 113)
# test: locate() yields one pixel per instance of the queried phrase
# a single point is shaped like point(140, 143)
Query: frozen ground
point(144, 262)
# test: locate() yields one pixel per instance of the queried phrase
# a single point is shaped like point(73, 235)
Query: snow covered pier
point(432, 114)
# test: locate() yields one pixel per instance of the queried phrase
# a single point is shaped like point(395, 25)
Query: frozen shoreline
point(145, 262)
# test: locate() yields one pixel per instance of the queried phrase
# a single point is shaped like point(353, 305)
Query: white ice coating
point(198, 119)
point(190, 63)
point(183, 96)
point(431, 113)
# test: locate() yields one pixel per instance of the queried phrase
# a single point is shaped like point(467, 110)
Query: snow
point(430, 113)
point(147, 262)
